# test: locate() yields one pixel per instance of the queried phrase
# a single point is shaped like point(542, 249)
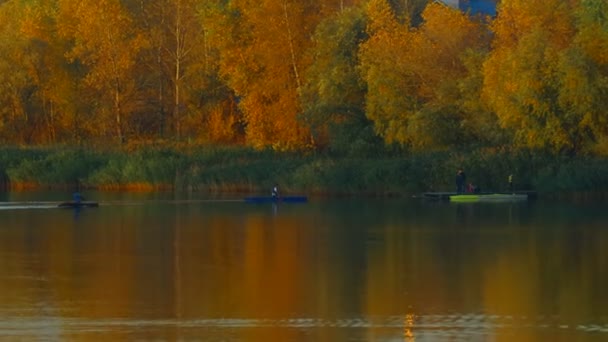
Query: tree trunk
point(291, 48)
point(178, 57)
point(118, 113)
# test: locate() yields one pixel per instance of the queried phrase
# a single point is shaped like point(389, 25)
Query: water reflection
point(324, 271)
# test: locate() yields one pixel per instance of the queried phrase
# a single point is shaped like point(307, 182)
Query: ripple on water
point(421, 327)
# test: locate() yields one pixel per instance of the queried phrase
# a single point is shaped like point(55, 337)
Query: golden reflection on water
point(408, 332)
point(300, 274)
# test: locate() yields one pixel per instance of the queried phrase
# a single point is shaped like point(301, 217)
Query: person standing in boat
point(511, 183)
point(464, 180)
point(461, 181)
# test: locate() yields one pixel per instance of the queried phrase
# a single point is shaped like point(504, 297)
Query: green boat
point(488, 198)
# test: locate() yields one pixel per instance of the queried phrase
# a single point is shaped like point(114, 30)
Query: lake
point(165, 267)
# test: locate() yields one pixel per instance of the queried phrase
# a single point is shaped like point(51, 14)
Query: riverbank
point(238, 169)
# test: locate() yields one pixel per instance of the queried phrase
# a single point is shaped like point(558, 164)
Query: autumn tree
point(263, 60)
point(415, 75)
point(409, 10)
point(330, 7)
point(333, 96)
point(105, 41)
point(380, 66)
point(14, 81)
point(55, 89)
point(523, 79)
point(184, 35)
point(151, 17)
point(190, 99)
point(584, 78)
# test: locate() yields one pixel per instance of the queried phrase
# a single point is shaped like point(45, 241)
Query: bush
point(63, 167)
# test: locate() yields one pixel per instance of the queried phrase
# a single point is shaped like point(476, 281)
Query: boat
point(271, 199)
point(491, 197)
point(83, 204)
point(466, 197)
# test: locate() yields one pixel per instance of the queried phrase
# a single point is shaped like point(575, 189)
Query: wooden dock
point(438, 196)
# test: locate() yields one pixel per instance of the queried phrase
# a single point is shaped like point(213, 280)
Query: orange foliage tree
point(263, 58)
point(55, 95)
point(186, 97)
point(14, 79)
point(106, 42)
point(281, 73)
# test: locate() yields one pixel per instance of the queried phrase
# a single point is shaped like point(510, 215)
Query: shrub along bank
point(230, 169)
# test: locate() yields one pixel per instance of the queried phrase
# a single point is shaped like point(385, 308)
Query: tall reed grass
point(238, 169)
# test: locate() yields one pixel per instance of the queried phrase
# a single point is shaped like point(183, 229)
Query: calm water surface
point(142, 268)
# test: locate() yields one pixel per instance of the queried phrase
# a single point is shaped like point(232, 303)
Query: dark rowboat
point(72, 204)
point(270, 199)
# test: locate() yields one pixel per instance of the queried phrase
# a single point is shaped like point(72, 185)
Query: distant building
point(474, 7)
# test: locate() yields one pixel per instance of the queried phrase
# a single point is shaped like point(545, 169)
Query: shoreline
point(223, 170)
point(22, 187)
point(226, 189)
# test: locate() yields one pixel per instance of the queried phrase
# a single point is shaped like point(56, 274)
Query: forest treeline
point(341, 75)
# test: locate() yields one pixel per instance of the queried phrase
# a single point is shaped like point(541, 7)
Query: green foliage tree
point(380, 67)
point(415, 75)
point(333, 97)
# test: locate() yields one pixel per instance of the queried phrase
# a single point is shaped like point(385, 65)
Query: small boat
point(282, 199)
point(496, 197)
point(83, 204)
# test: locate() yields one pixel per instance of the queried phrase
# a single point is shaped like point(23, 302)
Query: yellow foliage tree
point(413, 74)
point(522, 73)
point(584, 77)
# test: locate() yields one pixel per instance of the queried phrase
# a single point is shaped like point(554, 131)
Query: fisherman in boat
point(77, 197)
point(275, 192)
point(461, 180)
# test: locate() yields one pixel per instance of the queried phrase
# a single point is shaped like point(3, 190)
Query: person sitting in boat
point(77, 197)
point(275, 191)
point(472, 188)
